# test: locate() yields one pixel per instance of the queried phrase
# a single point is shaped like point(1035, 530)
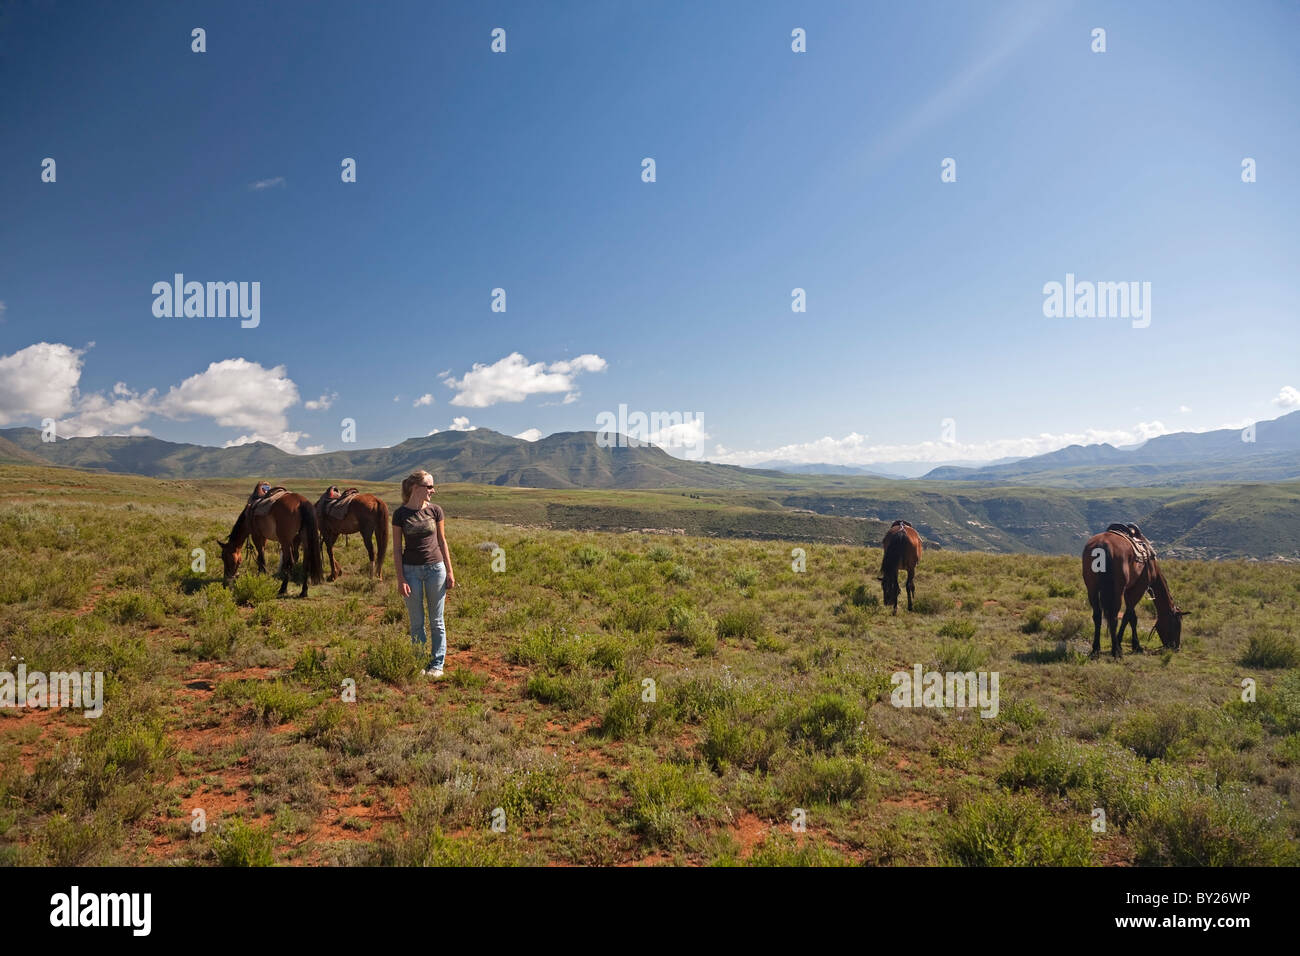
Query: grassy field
point(619, 698)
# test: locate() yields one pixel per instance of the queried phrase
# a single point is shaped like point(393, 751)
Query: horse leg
point(911, 588)
point(259, 542)
point(1095, 600)
point(1116, 650)
point(370, 551)
point(329, 537)
point(305, 574)
point(283, 570)
point(1133, 634)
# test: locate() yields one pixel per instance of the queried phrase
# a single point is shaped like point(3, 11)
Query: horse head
point(230, 558)
point(1170, 628)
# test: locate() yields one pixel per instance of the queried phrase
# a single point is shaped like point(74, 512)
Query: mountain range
point(577, 460)
point(1197, 495)
point(1271, 454)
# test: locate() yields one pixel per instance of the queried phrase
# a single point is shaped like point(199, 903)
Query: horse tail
point(381, 535)
point(889, 557)
point(311, 542)
point(889, 561)
point(1108, 597)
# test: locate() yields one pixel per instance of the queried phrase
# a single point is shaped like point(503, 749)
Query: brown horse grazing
point(902, 546)
point(291, 520)
point(1111, 572)
point(365, 514)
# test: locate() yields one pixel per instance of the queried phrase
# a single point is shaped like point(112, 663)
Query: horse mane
point(236, 529)
point(1160, 590)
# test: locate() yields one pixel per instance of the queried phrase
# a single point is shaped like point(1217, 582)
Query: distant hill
point(801, 468)
point(11, 454)
point(1179, 459)
point(562, 460)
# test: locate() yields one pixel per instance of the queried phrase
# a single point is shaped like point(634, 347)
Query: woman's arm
point(446, 554)
point(403, 588)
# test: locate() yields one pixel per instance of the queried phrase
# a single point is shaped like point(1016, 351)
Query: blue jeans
point(428, 584)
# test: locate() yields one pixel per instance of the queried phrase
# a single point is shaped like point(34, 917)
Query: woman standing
point(419, 551)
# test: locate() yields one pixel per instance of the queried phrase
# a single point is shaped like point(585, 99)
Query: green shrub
point(961, 656)
point(251, 589)
point(743, 622)
point(589, 556)
point(551, 647)
point(629, 715)
point(236, 843)
point(960, 629)
point(1010, 830)
point(1188, 825)
point(931, 604)
point(531, 792)
point(1034, 618)
point(783, 851)
point(1151, 733)
point(394, 659)
point(861, 595)
point(566, 691)
point(693, 627)
point(731, 740)
point(678, 574)
point(1271, 649)
point(133, 607)
point(829, 722)
point(271, 701)
point(664, 798)
point(820, 779)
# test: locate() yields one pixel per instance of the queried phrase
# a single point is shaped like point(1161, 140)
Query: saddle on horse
point(900, 523)
point(263, 498)
point(1143, 550)
point(337, 502)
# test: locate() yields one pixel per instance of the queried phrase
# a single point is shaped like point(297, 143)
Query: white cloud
point(530, 434)
point(2, 311)
point(322, 403)
point(99, 415)
point(1289, 397)
point(1183, 408)
point(461, 424)
point(853, 448)
point(514, 378)
point(235, 393)
point(425, 399)
point(39, 381)
point(267, 183)
point(690, 434)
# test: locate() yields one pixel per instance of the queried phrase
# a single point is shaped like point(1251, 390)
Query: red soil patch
point(750, 831)
point(54, 726)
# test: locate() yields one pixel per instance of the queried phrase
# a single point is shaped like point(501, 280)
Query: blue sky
point(775, 170)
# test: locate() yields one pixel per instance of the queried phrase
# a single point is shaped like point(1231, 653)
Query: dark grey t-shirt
point(419, 530)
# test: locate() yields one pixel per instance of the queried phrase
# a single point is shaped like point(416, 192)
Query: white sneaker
point(435, 672)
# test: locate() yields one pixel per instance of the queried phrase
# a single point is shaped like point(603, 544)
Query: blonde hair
point(410, 481)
